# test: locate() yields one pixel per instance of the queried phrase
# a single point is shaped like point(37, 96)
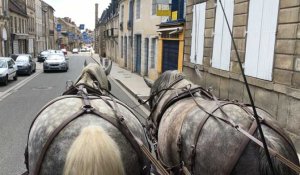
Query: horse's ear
point(108, 68)
point(148, 82)
point(85, 63)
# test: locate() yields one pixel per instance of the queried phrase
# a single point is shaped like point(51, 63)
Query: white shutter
point(261, 38)
point(222, 38)
point(198, 29)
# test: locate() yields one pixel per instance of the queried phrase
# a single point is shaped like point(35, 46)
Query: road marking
point(14, 88)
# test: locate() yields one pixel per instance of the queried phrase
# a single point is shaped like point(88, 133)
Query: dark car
point(43, 55)
point(26, 65)
point(14, 56)
point(56, 62)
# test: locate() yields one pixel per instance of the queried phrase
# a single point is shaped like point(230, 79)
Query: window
point(261, 36)
point(153, 53)
point(20, 25)
point(197, 48)
point(16, 25)
point(121, 46)
point(222, 37)
point(154, 6)
point(122, 13)
point(138, 9)
point(125, 47)
point(11, 24)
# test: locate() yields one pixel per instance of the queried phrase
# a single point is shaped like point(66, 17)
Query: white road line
point(13, 89)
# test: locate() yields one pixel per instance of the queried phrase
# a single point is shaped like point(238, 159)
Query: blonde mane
point(94, 153)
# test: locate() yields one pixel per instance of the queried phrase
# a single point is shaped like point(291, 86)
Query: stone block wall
point(281, 96)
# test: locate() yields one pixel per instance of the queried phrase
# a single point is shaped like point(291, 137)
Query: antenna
point(250, 96)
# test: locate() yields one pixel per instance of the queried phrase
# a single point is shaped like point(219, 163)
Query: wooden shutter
point(197, 47)
point(261, 38)
point(222, 38)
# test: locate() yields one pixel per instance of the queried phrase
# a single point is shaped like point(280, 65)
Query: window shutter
point(261, 38)
point(222, 38)
point(198, 29)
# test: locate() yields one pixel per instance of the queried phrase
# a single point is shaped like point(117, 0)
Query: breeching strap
point(255, 140)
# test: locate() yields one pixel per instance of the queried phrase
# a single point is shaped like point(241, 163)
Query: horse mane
point(91, 73)
point(163, 82)
point(94, 152)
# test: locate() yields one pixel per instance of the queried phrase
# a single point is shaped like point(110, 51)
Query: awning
point(171, 30)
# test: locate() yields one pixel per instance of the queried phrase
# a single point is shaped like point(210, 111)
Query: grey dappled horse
point(187, 133)
point(92, 143)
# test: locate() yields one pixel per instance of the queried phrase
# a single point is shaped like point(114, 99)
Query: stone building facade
point(18, 26)
point(39, 36)
point(145, 38)
point(4, 29)
point(273, 73)
point(100, 44)
point(112, 31)
point(31, 27)
point(125, 34)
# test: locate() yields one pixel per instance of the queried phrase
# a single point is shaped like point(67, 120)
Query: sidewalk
point(132, 82)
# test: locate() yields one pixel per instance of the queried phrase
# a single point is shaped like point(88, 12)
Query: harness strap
point(136, 143)
point(53, 134)
point(272, 151)
point(258, 142)
point(199, 129)
point(268, 123)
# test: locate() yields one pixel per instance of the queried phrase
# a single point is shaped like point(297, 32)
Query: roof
point(18, 7)
point(44, 3)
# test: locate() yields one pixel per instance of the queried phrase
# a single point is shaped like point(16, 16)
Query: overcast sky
point(81, 11)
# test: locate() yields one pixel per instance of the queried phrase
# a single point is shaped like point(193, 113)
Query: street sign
point(81, 27)
point(58, 27)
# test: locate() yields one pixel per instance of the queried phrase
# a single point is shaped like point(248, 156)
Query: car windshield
point(55, 57)
point(22, 58)
point(44, 52)
point(3, 64)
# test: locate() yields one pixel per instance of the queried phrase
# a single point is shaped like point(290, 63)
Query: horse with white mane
point(86, 132)
point(199, 133)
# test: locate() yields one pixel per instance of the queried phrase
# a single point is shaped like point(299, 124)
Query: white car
point(75, 50)
point(8, 70)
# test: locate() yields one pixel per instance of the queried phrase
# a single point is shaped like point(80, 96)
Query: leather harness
point(188, 92)
point(118, 122)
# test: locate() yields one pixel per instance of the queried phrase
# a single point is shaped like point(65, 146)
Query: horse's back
point(56, 113)
point(185, 126)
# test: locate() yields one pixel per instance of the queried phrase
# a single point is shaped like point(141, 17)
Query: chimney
point(96, 14)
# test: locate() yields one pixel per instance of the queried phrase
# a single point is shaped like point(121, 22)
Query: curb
point(132, 93)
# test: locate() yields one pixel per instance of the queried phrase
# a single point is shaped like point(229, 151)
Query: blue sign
point(58, 27)
point(81, 27)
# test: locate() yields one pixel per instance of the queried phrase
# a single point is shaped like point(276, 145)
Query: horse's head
point(164, 82)
point(95, 76)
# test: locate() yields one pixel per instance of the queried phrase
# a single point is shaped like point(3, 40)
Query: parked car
point(8, 70)
point(75, 50)
point(14, 56)
point(56, 62)
point(42, 56)
point(64, 51)
point(83, 50)
point(25, 63)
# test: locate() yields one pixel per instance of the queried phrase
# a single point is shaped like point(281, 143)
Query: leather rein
point(87, 108)
point(189, 91)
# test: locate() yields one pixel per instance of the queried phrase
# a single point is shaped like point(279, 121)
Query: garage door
point(170, 55)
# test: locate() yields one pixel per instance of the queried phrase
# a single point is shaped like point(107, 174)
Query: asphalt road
point(20, 105)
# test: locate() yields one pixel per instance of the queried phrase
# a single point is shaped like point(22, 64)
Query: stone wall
point(281, 96)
